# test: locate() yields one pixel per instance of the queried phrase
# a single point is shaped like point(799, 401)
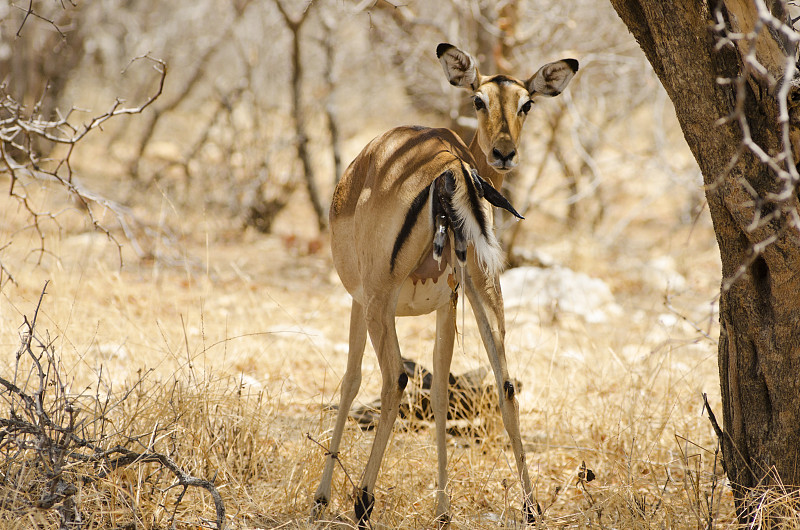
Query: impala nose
point(506, 158)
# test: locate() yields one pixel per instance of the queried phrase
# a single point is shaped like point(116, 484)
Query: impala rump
point(458, 211)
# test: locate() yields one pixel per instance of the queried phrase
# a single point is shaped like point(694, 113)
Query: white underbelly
point(421, 298)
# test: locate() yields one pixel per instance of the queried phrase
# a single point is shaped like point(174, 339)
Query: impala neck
point(486, 171)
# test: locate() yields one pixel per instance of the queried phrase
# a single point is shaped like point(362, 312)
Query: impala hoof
point(509, 388)
point(363, 507)
point(320, 504)
point(532, 510)
point(442, 521)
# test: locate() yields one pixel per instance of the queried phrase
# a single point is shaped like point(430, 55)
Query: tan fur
point(369, 206)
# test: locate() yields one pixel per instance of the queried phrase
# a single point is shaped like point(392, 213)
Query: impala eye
point(479, 103)
point(526, 108)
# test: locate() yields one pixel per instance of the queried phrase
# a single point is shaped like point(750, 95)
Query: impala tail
point(458, 205)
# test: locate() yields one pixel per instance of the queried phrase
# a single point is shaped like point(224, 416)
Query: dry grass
point(230, 362)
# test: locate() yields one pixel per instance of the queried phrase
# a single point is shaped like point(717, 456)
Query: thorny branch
point(23, 131)
point(44, 447)
point(784, 87)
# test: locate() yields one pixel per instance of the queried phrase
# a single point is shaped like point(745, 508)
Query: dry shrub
point(99, 458)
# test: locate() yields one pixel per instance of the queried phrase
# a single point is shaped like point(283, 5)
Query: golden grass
point(233, 358)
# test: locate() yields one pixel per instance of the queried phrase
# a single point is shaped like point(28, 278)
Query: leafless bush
point(219, 134)
point(54, 441)
point(22, 128)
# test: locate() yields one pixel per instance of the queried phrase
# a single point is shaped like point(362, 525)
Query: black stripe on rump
point(474, 200)
point(411, 219)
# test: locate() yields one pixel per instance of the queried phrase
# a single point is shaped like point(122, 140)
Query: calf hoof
point(363, 507)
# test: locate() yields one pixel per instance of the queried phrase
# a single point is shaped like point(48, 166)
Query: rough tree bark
point(753, 201)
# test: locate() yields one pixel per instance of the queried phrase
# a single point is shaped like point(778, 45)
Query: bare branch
point(40, 435)
point(301, 135)
point(294, 23)
point(29, 12)
point(194, 80)
point(767, 48)
point(20, 161)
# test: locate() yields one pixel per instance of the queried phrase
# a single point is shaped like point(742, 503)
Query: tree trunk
point(302, 135)
point(759, 347)
point(295, 25)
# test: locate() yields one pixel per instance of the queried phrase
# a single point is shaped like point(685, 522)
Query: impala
point(411, 223)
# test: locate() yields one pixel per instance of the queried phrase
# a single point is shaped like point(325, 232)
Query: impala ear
point(551, 79)
point(494, 197)
point(459, 66)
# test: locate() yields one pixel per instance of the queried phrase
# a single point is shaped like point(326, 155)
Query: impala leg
point(384, 340)
point(487, 304)
point(442, 355)
point(350, 385)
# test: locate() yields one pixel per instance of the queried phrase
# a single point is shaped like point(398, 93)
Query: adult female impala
point(397, 208)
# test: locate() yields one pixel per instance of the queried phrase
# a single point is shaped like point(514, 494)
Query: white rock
point(558, 290)
point(662, 275)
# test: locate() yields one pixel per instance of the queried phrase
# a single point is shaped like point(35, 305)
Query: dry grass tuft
point(124, 459)
point(775, 507)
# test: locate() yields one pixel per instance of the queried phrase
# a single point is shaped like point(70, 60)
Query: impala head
point(502, 102)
